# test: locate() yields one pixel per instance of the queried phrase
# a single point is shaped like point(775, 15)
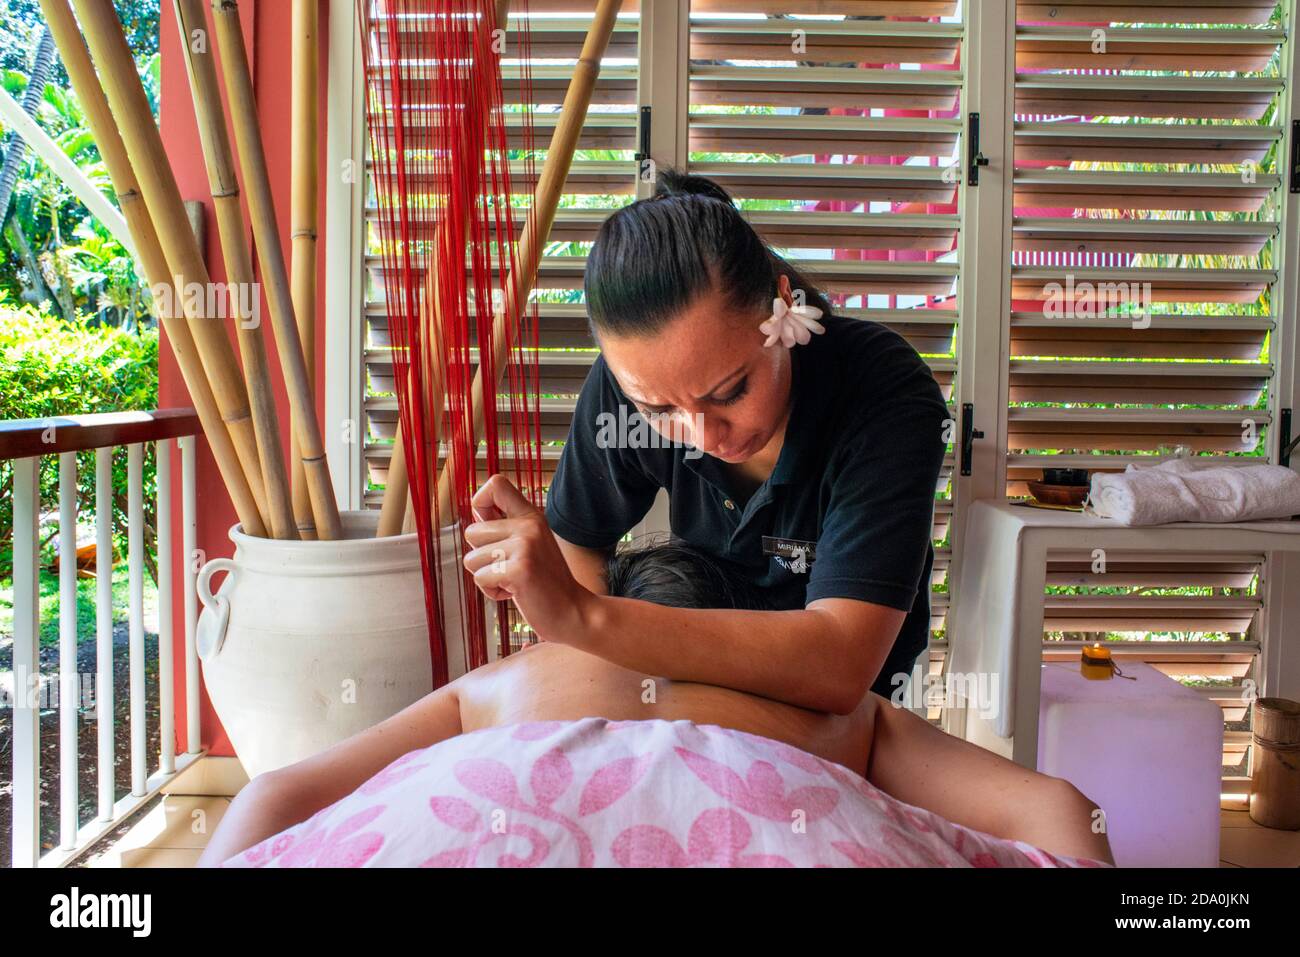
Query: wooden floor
point(175, 830)
point(1243, 843)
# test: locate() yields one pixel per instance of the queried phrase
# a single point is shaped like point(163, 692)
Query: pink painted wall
point(267, 33)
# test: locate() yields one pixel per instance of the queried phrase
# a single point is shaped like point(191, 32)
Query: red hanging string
point(442, 136)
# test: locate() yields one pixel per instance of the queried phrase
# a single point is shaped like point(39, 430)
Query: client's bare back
point(554, 682)
point(894, 750)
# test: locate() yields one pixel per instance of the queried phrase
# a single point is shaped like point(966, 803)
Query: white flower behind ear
point(791, 324)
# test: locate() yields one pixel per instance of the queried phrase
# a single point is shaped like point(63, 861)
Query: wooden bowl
point(1071, 495)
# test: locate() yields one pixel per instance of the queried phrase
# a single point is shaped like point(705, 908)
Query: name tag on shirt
point(792, 553)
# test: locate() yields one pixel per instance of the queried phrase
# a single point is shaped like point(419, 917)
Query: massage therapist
point(802, 448)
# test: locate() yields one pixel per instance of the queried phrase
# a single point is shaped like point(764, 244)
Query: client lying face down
point(898, 752)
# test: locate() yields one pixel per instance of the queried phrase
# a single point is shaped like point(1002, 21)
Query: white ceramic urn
point(308, 642)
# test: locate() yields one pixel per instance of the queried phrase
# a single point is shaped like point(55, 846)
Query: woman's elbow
point(852, 684)
point(265, 787)
point(842, 697)
point(280, 795)
point(260, 804)
point(1079, 803)
point(1086, 819)
point(851, 666)
point(826, 695)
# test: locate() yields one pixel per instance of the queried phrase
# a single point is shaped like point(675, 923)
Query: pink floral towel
point(628, 794)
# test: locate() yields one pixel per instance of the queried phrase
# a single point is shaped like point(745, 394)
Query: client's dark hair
point(653, 258)
point(677, 574)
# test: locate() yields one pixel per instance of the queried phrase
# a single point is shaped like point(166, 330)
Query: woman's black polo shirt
point(856, 476)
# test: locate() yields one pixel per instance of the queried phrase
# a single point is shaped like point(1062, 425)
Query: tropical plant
point(53, 252)
point(50, 367)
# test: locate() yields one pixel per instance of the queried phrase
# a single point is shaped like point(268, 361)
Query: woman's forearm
point(586, 564)
point(822, 657)
point(803, 657)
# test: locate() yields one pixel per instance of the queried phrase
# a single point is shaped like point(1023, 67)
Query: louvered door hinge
point(1295, 156)
point(974, 158)
point(968, 436)
point(1285, 444)
point(644, 136)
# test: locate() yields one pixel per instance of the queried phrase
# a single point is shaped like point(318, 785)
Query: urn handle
point(216, 609)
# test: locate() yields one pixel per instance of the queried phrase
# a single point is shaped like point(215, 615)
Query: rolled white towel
point(1182, 490)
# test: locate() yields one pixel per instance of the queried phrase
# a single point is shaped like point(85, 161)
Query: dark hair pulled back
point(653, 258)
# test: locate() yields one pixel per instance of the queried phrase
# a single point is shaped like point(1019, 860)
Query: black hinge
point(1285, 445)
point(644, 154)
point(968, 436)
point(1295, 156)
point(974, 158)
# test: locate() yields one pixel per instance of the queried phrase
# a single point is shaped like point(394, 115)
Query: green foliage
point(52, 367)
point(53, 251)
point(21, 22)
point(49, 368)
point(86, 603)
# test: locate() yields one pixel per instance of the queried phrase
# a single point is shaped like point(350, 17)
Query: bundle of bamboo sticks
point(233, 393)
point(234, 399)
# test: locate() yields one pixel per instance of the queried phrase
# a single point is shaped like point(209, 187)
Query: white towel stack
point(1182, 490)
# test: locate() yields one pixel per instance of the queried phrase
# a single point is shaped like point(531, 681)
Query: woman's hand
point(515, 555)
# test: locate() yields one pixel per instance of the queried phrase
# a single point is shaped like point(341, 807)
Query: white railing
point(24, 443)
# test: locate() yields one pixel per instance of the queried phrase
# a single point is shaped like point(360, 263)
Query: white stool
point(1148, 752)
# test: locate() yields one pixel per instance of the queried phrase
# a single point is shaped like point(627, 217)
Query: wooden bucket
point(1275, 764)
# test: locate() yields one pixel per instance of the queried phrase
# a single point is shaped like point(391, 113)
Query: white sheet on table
point(984, 638)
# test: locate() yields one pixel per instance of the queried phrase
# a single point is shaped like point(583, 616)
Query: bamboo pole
point(397, 490)
point(239, 265)
point(395, 513)
point(134, 120)
point(541, 215)
point(302, 218)
point(233, 58)
point(99, 119)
